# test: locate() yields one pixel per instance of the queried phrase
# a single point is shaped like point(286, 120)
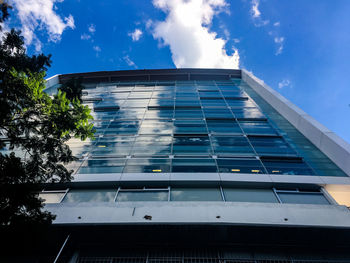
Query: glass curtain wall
point(183, 126)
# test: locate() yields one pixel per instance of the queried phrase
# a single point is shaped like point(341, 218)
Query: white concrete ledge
point(242, 213)
point(327, 141)
point(54, 80)
point(211, 177)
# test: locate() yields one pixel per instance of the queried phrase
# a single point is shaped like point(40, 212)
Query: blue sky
point(300, 48)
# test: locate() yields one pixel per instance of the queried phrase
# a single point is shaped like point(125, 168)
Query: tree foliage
point(73, 88)
point(34, 129)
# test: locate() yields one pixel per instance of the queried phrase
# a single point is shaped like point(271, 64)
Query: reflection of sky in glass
point(51, 198)
point(77, 196)
point(127, 196)
point(195, 194)
point(135, 121)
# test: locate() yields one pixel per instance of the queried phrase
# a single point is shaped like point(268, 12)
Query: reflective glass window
point(138, 95)
point(217, 113)
point(188, 114)
point(146, 145)
point(187, 103)
point(193, 165)
point(159, 114)
point(191, 144)
point(210, 94)
point(266, 145)
point(142, 195)
point(112, 148)
point(239, 103)
point(156, 127)
point(237, 145)
point(127, 113)
point(132, 103)
point(150, 165)
point(161, 102)
point(123, 127)
point(285, 166)
point(303, 198)
point(98, 195)
point(250, 195)
point(257, 127)
point(247, 113)
point(52, 197)
point(163, 94)
point(251, 166)
point(234, 94)
point(195, 194)
point(223, 126)
point(228, 88)
point(217, 102)
point(113, 165)
point(207, 88)
point(190, 126)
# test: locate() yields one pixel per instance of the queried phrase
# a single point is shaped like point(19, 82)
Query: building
point(200, 165)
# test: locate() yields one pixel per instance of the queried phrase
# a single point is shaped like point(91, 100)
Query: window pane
point(51, 198)
point(303, 198)
point(194, 165)
point(151, 165)
point(129, 196)
point(240, 166)
point(257, 127)
point(217, 113)
point(265, 145)
point(195, 194)
point(231, 145)
point(250, 195)
point(249, 113)
point(190, 126)
point(101, 195)
point(187, 113)
point(160, 113)
point(297, 167)
point(223, 126)
point(156, 127)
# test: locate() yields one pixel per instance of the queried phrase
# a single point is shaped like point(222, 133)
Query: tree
point(73, 88)
point(34, 129)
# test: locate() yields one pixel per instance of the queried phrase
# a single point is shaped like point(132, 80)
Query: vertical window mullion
point(276, 194)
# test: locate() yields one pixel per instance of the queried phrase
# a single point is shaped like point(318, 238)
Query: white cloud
point(279, 41)
point(40, 14)
point(97, 48)
point(85, 36)
point(92, 28)
point(256, 14)
point(284, 83)
point(149, 23)
point(277, 24)
point(236, 40)
point(129, 61)
point(186, 31)
point(255, 9)
point(136, 35)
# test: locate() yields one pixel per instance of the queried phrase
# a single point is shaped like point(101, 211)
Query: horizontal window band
point(220, 119)
point(281, 158)
point(236, 98)
point(111, 108)
point(160, 107)
point(264, 136)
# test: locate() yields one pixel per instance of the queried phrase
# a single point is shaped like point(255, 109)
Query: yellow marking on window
point(102, 146)
point(255, 171)
point(235, 170)
point(156, 170)
point(276, 171)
